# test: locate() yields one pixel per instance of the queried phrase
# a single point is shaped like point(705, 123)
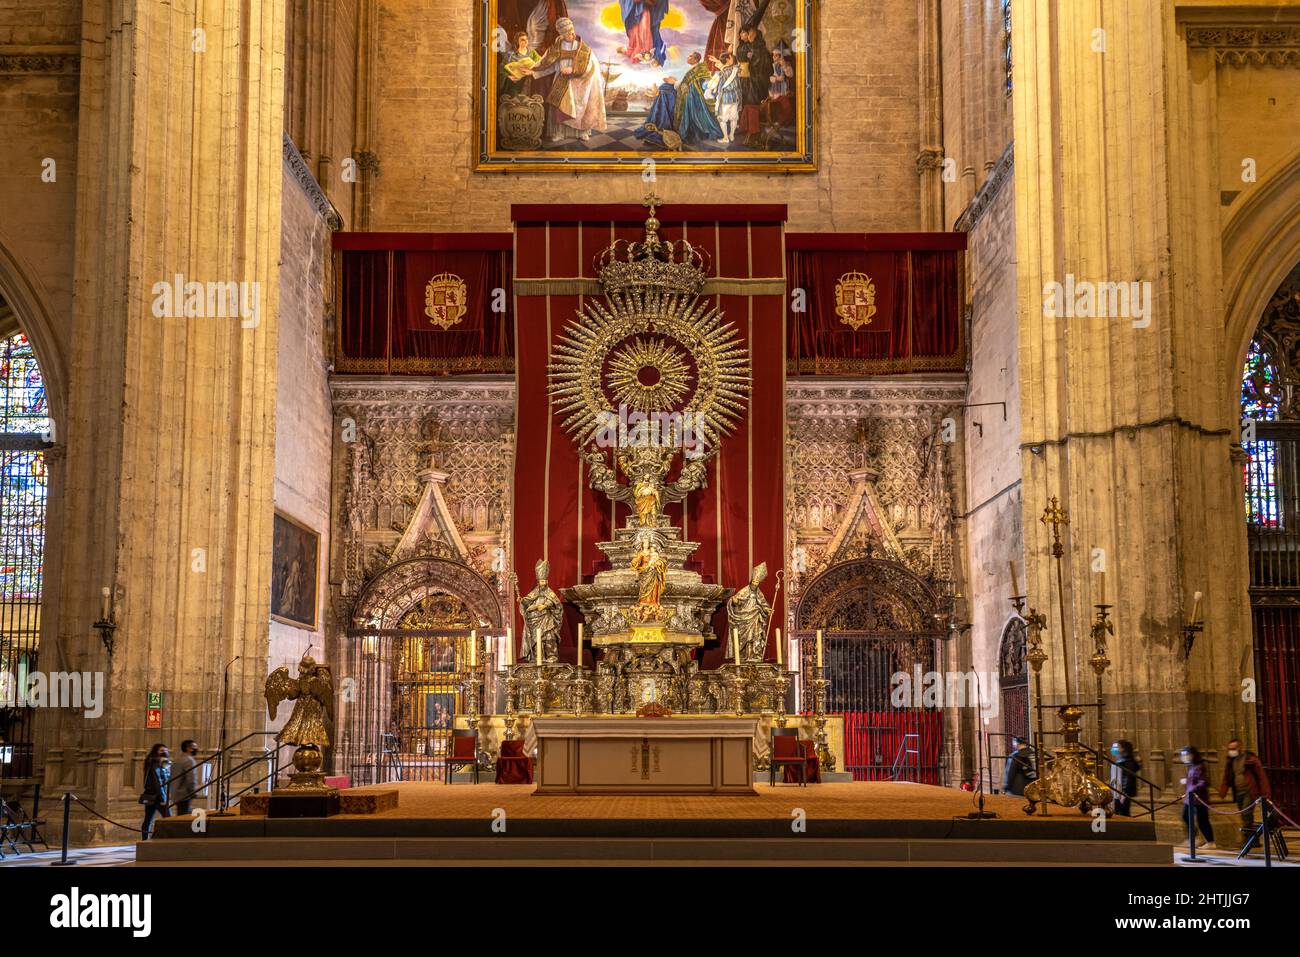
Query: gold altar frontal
point(651, 756)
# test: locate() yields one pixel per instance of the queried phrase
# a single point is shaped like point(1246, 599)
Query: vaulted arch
point(393, 593)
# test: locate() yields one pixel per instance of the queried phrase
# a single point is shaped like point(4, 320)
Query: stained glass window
point(1006, 44)
point(1260, 394)
point(24, 432)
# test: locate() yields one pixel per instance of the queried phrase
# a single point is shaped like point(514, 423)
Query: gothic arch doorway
point(882, 633)
point(1270, 405)
point(409, 655)
point(1013, 678)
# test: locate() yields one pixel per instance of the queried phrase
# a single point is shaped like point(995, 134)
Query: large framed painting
point(295, 556)
point(690, 84)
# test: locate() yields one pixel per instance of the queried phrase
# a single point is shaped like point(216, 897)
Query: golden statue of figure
point(748, 614)
point(312, 693)
point(651, 569)
point(542, 612)
point(647, 503)
point(645, 467)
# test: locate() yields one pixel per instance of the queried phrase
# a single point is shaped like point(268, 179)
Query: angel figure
point(313, 695)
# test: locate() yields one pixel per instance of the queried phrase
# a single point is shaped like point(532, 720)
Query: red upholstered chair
point(513, 765)
point(787, 753)
point(464, 751)
point(812, 769)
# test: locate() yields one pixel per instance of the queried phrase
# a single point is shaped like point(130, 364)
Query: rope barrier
point(1238, 811)
point(126, 827)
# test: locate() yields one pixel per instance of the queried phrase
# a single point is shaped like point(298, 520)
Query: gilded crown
point(653, 263)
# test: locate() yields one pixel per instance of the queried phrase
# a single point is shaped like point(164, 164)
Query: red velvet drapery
point(738, 518)
point(382, 324)
point(918, 325)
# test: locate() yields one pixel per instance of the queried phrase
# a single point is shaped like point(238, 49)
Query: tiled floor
point(112, 855)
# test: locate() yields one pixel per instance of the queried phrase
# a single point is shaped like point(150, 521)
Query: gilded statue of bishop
point(748, 613)
point(542, 611)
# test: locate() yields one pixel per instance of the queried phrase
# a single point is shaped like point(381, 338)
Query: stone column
point(1117, 420)
point(171, 425)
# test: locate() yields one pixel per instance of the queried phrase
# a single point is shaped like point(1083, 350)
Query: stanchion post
point(67, 814)
point(1190, 813)
point(1268, 851)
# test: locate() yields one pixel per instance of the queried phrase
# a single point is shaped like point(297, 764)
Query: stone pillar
point(1117, 419)
point(170, 439)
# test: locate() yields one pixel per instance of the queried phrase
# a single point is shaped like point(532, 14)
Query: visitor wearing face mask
point(1123, 776)
point(1196, 802)
point(157, 772)
point(1244, 776)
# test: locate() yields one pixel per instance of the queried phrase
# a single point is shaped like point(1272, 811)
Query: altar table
point(609, 755)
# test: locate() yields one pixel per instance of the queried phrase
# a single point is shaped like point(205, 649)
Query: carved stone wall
point(420, 468)
point(871, 475)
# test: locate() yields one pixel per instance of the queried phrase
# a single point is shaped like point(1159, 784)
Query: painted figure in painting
point(641, 19)
point(576, 104)
point(755, 73)
point(723, 90)
point(693, 116)
point(513, 77)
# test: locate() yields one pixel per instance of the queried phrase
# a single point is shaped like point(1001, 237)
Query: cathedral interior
point(985, 315)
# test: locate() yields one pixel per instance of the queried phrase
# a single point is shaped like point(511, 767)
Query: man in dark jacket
point(184, 784)
point(1020, 769)
point(1244, 776)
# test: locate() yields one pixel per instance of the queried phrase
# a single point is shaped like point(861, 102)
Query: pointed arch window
point(24, 437)
point(1260, 402)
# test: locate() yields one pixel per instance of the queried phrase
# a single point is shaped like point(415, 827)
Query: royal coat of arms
point(445, 300)
point(855, 299)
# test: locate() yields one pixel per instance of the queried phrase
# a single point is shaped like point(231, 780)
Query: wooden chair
point(787, 751)
point(463, 751)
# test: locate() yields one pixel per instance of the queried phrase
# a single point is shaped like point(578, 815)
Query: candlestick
point(104, 603)
point(780, 655)
point(1015, 585)
point(473, 647)
point(819, 648)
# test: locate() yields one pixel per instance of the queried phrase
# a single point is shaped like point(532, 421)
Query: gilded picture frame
point(295, 573)
point(662, 90)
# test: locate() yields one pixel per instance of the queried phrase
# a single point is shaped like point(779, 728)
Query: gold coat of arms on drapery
point(855, 299)
point(445, 300)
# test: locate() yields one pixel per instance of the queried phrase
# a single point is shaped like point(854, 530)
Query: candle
point(1196, 608)
point(819, 647)
point(104, 603)
point(1015, 585)
point(780, 655)
point(510, 647)
point(735, 645)
point(473, 647)
point(579, 658)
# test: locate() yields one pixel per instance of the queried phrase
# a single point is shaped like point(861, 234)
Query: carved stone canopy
point(869, 595)
point(399, 589)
